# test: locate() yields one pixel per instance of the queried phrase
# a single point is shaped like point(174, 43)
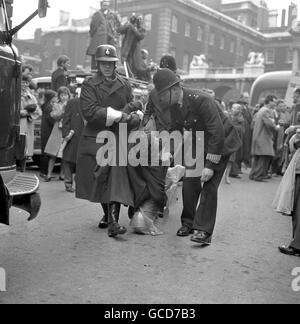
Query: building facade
point(183, 28)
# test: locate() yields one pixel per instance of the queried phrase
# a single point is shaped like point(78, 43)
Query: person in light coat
point(29, 113)
point(263, 140)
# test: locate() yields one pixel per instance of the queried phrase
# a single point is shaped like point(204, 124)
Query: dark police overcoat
point(104, 184)
point(199, 112)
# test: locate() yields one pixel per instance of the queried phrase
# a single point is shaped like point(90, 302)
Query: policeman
point(194, 110)
point(105, 103)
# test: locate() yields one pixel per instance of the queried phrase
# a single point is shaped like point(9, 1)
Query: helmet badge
point(107, 52)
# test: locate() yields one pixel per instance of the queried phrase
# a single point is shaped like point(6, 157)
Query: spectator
point(29, 112)
point(27, 70)
point(263, 140)
point(73, 124)
point(104, 28)
point(134, 33)
point(296, 108)
point(287, 200)
point(56, 138)
point(237, 119)
point(59, 76)
point(47, 103)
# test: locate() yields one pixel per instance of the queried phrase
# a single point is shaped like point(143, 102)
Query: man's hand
point(207, 175)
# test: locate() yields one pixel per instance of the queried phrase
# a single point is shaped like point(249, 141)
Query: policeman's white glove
point(140, 114)
point(207, 175)
point(113, 116)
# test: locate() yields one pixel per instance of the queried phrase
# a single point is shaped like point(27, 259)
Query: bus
point(16, 189)
point(275, 83)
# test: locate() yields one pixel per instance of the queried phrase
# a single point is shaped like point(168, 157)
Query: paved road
point(63, 258)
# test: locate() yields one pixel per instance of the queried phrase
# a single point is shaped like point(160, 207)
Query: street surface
point(62, 257)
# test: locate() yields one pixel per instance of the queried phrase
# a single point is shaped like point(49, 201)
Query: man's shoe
point(184, 231)
point(201, 238)
point(70, 189)
point(104, 223)
point(289, 251)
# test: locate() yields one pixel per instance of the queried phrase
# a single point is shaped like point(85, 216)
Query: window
point(212, 39)
point(148, 22)
point(270, 56)
point(186, 62)
point(222, 42)
point(289, 56)
point(232, 46)
point(187, 32)
point(200, 34)
point(174, 24)
point(57, 42)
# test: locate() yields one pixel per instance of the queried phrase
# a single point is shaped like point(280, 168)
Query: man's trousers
point(203, 218)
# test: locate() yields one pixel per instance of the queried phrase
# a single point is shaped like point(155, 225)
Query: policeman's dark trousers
point(203, 218)
point(296, 216)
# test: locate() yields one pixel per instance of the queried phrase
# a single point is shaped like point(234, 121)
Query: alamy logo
point(153, 149)
point(2, 280)
point(296, 281)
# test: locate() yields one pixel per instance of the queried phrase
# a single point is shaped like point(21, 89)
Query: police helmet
point(106, 53)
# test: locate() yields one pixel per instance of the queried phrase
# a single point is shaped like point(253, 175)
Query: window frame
point(200, 29)
point(267, 52)
point(175, 19)
point(188, 29)
point(212, 39)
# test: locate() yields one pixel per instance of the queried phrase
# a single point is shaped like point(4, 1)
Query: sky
point(80, 9)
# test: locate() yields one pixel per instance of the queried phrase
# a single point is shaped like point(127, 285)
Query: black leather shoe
point(184, 231)
point(289, 251)
point(201, 238)
point(104, 223)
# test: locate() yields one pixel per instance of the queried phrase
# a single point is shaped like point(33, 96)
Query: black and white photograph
point(149, 154)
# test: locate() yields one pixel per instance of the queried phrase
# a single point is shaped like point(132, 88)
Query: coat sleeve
point(214, 132)
point(91, 108)
point(268, 121)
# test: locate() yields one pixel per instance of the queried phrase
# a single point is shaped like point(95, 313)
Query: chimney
point(283, 18)
point(38, 35)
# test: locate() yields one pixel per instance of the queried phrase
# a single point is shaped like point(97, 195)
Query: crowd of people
point(264, 139)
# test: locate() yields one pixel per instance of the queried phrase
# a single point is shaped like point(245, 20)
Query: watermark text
point(296, 281)
point(2, 280)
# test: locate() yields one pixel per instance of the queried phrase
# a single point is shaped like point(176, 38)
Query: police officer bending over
point(200, 112)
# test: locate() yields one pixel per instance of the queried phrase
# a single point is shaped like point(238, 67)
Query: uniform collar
point(116, 84)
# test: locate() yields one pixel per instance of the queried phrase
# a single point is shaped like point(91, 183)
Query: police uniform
point(96, 96)
point(221, 140)
point(199, 112)
point(104, 104)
